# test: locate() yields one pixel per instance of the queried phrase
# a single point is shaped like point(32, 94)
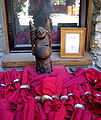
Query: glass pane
point(65, 13)
point(22, 18)
point(59, 12)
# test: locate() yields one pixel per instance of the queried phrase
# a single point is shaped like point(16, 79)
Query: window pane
point(59, 12)
point(22, 18)
point(65, 13)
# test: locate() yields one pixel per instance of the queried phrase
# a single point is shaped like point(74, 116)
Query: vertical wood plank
point(89, 24)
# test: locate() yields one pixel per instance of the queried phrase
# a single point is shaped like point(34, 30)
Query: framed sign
point(72, 42)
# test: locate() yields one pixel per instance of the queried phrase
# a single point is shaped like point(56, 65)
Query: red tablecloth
point(61, 95)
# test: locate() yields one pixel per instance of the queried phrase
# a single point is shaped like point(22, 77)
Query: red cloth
point(5, 112)
point(95, 103)
point(98, 118)
point(92, 75)
point(56, 78)
point(25, 106)
point(80, 114)
point(2, 86)
point(54, 110)
point(98, 82)
point(81, 87)
point(20, 104)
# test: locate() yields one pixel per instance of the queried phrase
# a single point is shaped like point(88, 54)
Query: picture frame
point(72, 42)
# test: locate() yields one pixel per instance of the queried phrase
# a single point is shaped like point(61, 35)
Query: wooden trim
point(89, 24)
point(20, 59)
point(68, 62)
point(5, 28)
point(83, 11)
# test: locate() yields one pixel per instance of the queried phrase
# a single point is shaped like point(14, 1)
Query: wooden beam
point(5, 28)
point(20, 59)
point(89, 24)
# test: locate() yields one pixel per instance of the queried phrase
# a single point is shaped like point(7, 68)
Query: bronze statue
point(41, 48)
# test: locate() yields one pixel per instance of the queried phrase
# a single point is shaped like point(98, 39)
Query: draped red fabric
point(92, 75)
point(54, 110)
point(25, 106)
point(2, 85)
point(20, 105)
point(80, 114)
point(98, 82)
point(53, 85)
point(5, 112)
point(98, 118)
point(60, 95)
point(39, 81)
point(25, 102)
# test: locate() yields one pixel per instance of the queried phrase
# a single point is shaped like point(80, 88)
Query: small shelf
point(23, 59)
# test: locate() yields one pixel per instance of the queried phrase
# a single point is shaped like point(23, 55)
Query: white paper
point(72, 43)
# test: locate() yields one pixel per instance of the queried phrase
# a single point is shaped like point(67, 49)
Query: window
point(61, 13)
